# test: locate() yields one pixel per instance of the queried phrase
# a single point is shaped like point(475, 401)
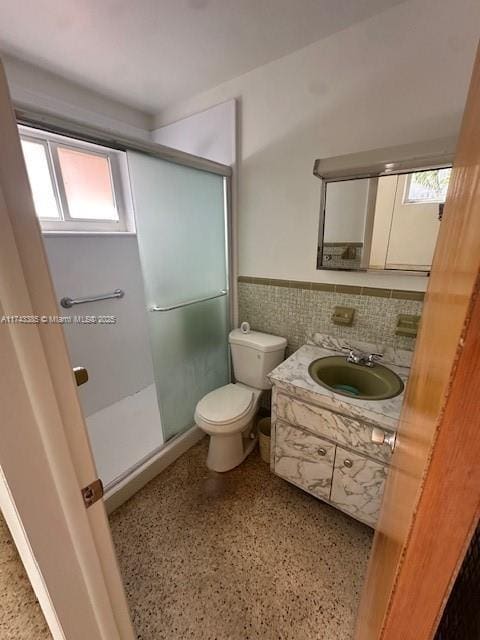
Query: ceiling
point(151, 53)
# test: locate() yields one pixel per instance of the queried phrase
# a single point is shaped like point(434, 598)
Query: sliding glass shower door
point(182, 236)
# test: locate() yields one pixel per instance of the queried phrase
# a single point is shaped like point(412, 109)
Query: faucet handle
point(348, 349)
point(353, 356)
point(374, 357)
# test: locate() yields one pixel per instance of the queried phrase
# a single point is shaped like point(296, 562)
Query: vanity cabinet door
point(304, 459)
point(343, 429)
point(357, 486)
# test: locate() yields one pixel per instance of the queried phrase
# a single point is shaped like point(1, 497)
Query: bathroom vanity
point(329, 444)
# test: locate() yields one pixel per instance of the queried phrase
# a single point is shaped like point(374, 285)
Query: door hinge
point(92, 492)
point(81, 375)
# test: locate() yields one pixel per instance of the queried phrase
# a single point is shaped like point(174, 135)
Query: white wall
point(386, 189)
point(117, 356)
point(119, 399)
point(346, 211)
point(399, 77)
point(209, 134)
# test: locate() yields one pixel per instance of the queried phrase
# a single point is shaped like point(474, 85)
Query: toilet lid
point(225, 404)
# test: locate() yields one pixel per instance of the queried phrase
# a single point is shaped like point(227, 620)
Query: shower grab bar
point(221, 293)
point(69, 302)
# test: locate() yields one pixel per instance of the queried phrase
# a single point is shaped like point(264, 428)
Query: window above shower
point(77, 186)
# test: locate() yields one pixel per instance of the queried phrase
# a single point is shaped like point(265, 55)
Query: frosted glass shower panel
point(181, 227)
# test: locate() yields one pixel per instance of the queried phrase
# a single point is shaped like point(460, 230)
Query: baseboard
point(142, 475)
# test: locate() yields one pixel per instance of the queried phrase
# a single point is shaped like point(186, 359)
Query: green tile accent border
point(280, 283)
point(345, 288)
point(323, 286)
point(408, 295)
point(297, 284)
point(379, 293)
point(398, 294)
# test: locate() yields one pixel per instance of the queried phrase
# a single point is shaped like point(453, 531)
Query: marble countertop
point(292, 375)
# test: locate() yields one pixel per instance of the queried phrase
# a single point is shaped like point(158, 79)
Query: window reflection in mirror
point(390, 222)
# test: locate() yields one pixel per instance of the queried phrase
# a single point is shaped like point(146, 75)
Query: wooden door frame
point(420, 544)
point(45, 456)
point(448, 507)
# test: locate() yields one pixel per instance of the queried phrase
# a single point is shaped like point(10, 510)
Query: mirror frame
point(423, 156)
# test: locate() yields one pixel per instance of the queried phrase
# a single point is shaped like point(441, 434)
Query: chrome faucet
point(362, 358)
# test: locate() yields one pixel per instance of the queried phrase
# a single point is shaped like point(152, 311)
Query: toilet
point(227, 414)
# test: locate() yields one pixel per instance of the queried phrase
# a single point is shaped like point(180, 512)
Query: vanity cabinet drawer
point(304, 459)
point(358, 485)
point(342, 429)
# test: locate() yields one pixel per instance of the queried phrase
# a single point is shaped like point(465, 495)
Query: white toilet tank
point(254, 355)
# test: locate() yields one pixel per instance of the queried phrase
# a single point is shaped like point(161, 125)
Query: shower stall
point(169, 344)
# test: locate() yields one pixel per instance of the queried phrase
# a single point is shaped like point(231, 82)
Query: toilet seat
point(227, 416)
point(225, 409)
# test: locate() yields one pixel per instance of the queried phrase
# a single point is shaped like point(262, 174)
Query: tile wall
point(335, 255)
point(296, 310)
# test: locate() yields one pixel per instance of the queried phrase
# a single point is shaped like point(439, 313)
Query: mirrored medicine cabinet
point(381, 210)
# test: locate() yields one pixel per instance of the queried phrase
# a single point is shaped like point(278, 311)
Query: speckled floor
point(20, 615)
point(237, 556)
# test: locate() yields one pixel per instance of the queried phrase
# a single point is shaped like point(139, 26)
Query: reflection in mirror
point(349, 208)
point(389, 222)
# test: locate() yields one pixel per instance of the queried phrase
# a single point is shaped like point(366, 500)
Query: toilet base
point(225, 452)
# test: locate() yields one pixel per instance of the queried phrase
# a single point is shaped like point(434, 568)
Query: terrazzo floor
point(237, 556)
point(20, 615)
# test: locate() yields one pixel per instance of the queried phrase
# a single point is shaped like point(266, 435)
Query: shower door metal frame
point(60, 126)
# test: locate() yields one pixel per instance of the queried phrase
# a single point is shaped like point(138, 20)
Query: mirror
point(387, 222)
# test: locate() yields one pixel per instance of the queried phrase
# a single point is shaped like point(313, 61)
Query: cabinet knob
point(348, 463)
point(321, 451)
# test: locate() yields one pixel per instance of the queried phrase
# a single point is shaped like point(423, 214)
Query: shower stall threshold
point(133, 479)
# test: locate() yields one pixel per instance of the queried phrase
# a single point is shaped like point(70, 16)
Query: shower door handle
point(222, 292)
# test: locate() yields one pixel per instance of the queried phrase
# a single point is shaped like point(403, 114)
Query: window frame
point(119, 181)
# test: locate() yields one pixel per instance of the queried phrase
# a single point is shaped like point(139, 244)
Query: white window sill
point(117, 234)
